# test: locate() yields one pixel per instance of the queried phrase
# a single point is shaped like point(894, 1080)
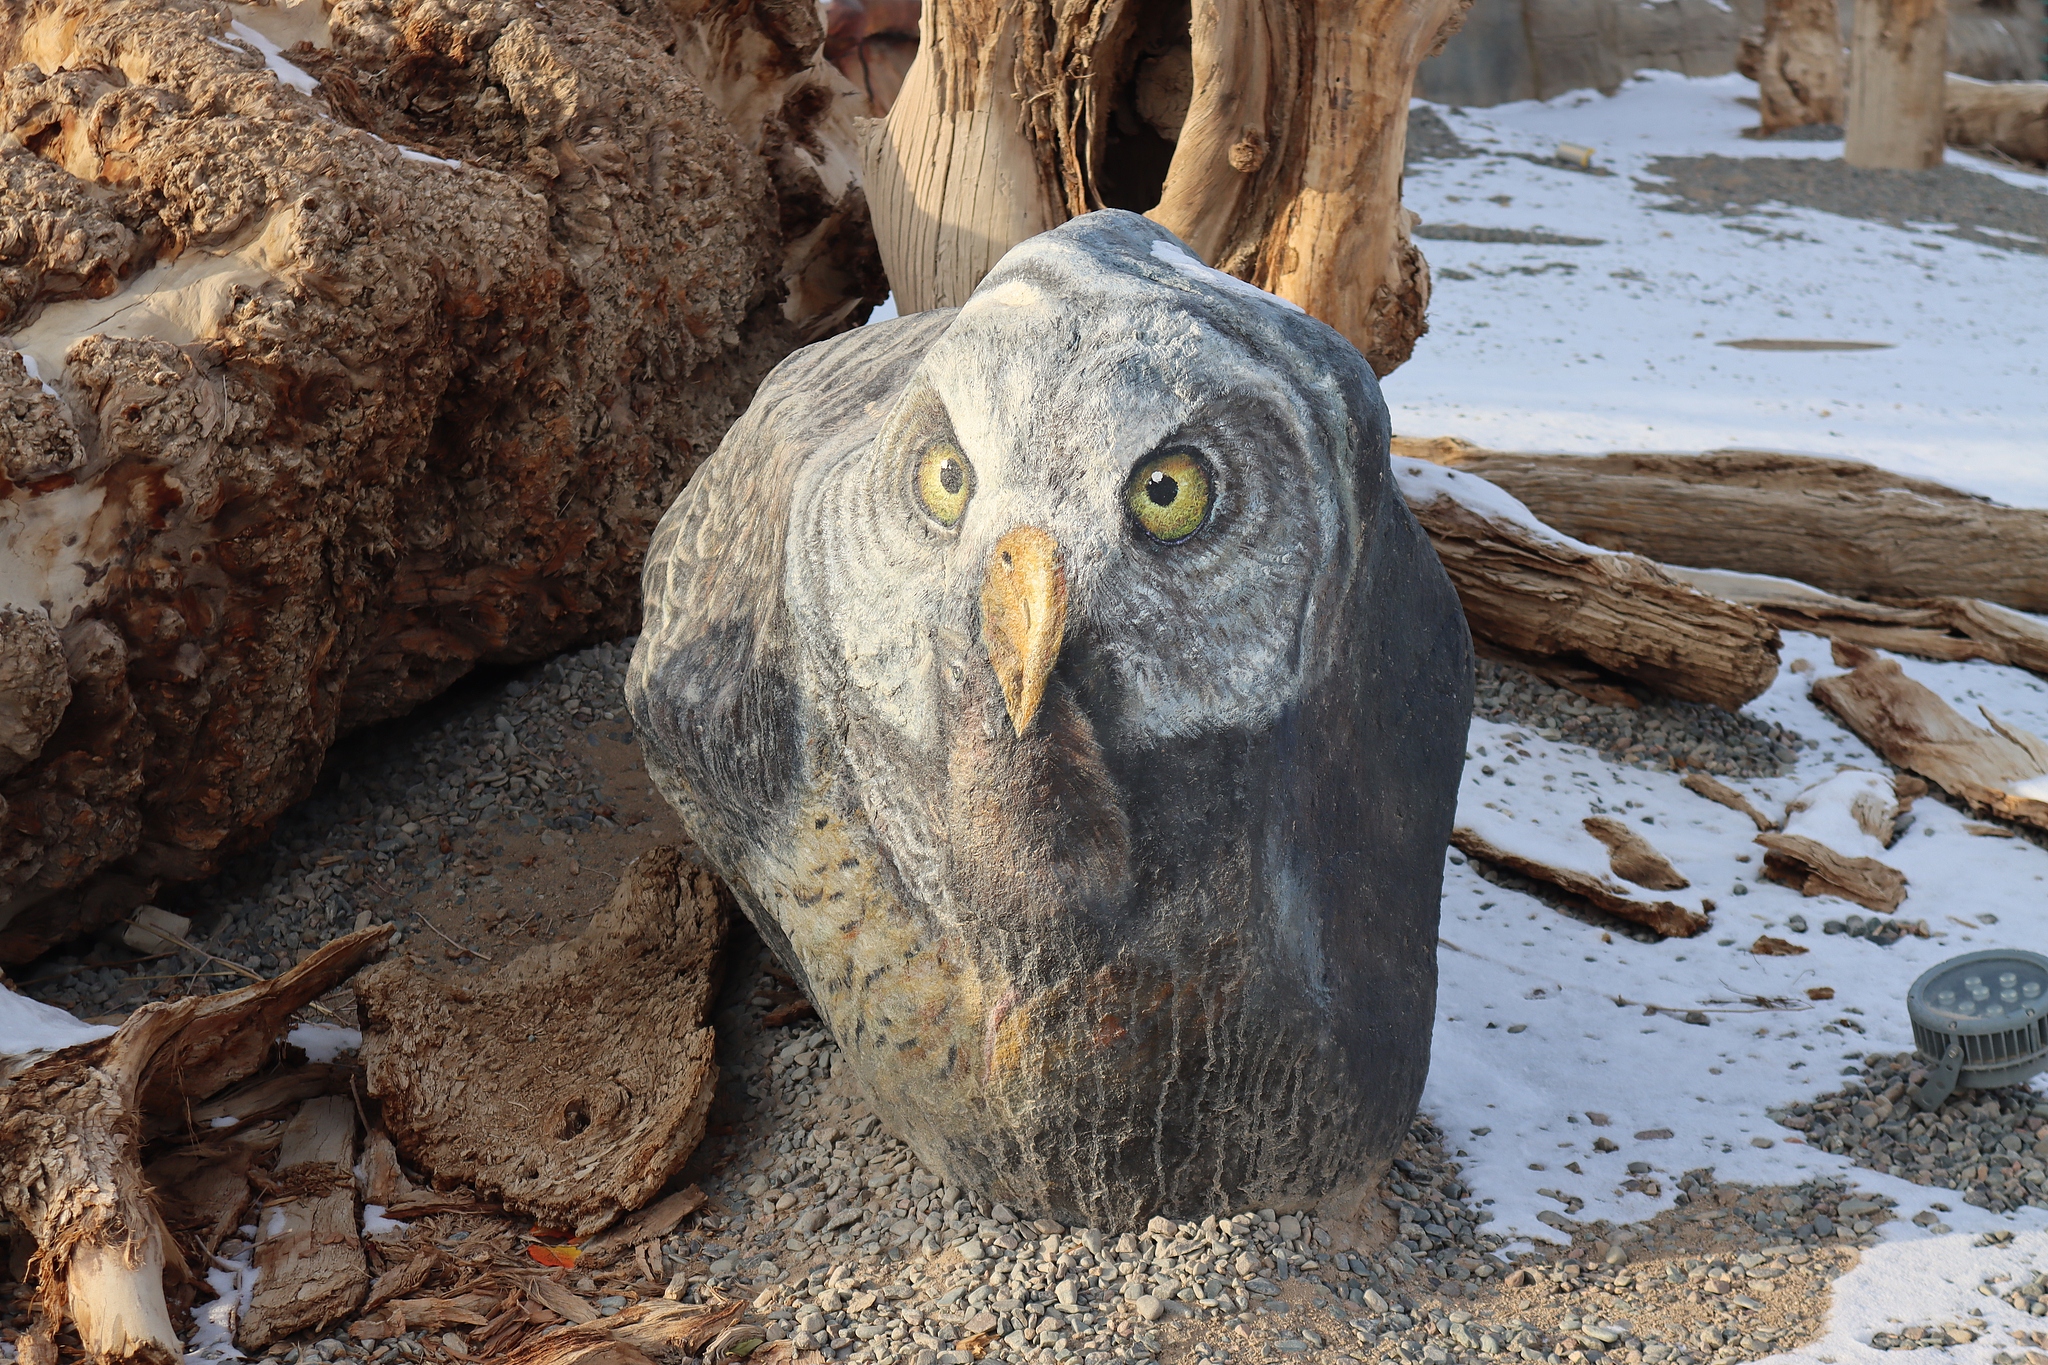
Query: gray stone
point(1079, 717)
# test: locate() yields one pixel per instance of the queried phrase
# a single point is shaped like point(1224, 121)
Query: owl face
point(1094, 484)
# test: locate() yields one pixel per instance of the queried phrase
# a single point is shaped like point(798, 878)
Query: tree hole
point(1155, 82)
point(575, 1118)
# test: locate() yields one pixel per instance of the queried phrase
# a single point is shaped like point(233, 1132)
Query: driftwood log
point(2001, 771)
point(1840, 525)
point(72, 1126)
point(1947, 628)
point(1269, 136)
point(574, 1081)
point(2008, 117)
point(309, 1257)
point(1537, 594)
point(1832, 834)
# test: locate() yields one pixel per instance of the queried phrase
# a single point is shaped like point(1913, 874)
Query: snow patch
point(29, 1027)
point(1841, 811)
point(410, 155)
point(1421, 482)
point(375, 1224)
point(273, 57)
point(324, 1042)
point(233, 1281)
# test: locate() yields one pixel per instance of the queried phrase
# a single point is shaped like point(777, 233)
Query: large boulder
point(1065, 691)
point(342, 351)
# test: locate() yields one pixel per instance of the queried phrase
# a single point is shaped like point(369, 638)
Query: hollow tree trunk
point(1268, 136)
point(1800, 72)
point(1897, 50)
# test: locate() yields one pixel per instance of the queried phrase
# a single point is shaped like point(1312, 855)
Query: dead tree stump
point(1268, 136)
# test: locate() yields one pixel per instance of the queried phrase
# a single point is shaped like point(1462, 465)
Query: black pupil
point(1161, 488)
point(951, 476)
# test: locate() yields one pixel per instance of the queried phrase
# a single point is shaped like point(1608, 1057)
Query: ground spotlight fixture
point(1981, 1020)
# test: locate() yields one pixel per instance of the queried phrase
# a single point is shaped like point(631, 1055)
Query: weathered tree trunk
point(1897, 52)
point(1840, 525)
point(1800, 71)
point(1268, 136)
point(2009, 117)
point(1534, 592)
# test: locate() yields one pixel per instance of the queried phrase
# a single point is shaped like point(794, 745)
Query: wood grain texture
point(1897, 52)
point(1947, 628)
point(1839, 525)
point(573, 1081)
point(1540, 596)
point(2005, 116)
point(309, 1253)
point(1913, 728)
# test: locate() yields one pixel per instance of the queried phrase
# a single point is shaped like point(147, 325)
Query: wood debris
point(1632, 857)
point(1767, 946)
point(572, 1081)
point(1833, 832)
point(1666, 917)
point(309, 1257)
point(1840, 525)
point(2001, 771)
point(650, 1224)
point(1946, 628)
point(1528, 589)
point(1719, 792)
point(652, 1330)
point(72, 1128)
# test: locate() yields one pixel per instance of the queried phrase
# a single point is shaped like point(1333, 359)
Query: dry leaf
point(1766, 946)
point(1820, 992)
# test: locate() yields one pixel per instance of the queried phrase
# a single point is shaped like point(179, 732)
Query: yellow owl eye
point(945, 481)
point(1170, 495)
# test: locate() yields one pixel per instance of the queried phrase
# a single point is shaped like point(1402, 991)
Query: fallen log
point(2008, 117)
point(572, 1082)
point(1946, 628)
point(72, 1126)
point(2001, 771)
point(1533, 591)
point(1668, 918)
point(1839, 525)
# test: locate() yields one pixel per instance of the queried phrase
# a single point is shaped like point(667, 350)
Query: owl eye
point(1169, 495)
point(945, 481)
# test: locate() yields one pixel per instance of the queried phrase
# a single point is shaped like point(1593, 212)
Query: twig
point(471, 951)
point(235, 968)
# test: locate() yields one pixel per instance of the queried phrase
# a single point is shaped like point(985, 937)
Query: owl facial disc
point(1024, 617)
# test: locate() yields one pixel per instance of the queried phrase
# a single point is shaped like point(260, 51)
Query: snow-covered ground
point(1516, 1101)
point(1620, 352)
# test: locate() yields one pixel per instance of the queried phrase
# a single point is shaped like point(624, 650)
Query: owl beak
point(1024, 617)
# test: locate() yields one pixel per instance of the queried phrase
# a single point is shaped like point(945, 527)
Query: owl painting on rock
point(1067, 696)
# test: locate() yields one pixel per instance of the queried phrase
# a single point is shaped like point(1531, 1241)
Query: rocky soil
point(350, 363)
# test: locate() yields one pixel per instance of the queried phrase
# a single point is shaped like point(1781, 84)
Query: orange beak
point(1024, 617)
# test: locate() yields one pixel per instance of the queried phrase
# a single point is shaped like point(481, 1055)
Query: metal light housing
point(1981, 1020)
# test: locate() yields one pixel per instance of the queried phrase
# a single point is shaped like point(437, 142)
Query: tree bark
point(2009, 117)
point(1897, 51)
point(1800, 71)
point(1269, 137)
point(1839, 525)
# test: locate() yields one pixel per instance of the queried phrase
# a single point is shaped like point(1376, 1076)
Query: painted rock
point(1068, 697)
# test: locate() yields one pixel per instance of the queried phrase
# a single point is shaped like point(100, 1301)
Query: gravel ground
point(1989, 1145)
point(1967, 205)
point(1656, 735)
point(486, 801)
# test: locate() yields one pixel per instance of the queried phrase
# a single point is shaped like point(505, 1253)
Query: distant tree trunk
point(1897, 49)
point(1800, 70)
point(1268, 135)
point(2010, 117)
